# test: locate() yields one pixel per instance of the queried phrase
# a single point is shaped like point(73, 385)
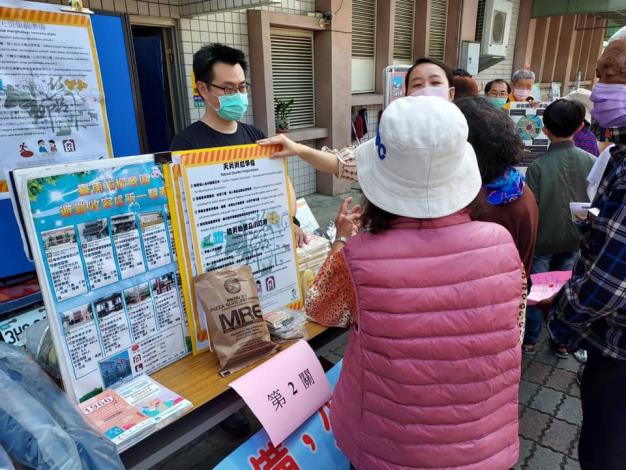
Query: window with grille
point(480, 21)
point(438, 22)
point(292, 74)
point(363, 45)
point(404, 20)
point(364, 28)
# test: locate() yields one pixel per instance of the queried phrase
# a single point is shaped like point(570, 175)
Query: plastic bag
point(286, 325)
point(45, 410)
point(29, 433)
point(5, 460)
point(38, 342)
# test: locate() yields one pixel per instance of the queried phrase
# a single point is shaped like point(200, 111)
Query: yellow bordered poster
point(237, 204)
point(52, 107)
point(198, 331)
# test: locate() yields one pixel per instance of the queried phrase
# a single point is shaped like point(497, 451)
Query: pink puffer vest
point(430, 376)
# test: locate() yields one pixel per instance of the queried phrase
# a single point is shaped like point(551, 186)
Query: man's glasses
point(231, 90)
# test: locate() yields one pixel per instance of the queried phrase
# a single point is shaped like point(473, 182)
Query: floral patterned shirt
point(347, 163)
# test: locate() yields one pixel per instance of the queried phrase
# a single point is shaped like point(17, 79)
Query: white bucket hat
point(583, 96)
point(420, 165)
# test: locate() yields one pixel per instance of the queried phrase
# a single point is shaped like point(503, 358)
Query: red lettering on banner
point(308, 440)
point(274, 458)
point(325, 417)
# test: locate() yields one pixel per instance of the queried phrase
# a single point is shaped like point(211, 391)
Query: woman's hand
point(301, 237)
point(289, 146)
point(348, 221)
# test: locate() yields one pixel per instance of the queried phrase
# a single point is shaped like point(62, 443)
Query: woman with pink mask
point(427, 77)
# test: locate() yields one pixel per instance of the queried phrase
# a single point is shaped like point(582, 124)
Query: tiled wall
point(155, 8)
point(231, 28)
point(302, 175)
point(504, 69)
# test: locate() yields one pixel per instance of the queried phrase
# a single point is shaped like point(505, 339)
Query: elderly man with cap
point(432, 367)
point(590, 310)
point(585, 139)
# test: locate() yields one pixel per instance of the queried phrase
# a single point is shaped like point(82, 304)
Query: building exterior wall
point(231, 27)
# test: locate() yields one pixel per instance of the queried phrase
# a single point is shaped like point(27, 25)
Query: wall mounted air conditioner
point(497, 24)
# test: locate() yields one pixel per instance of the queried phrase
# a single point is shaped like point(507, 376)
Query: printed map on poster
point(529, 124)
point(104, 258)
point(52, 106)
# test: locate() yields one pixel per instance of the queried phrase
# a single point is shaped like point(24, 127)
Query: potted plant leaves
point(282, 111)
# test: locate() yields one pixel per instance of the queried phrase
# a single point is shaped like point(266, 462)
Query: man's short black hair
point(428, 60)
point(461, 73)
point(497, 80)
point(207, 56)
point(563, 117)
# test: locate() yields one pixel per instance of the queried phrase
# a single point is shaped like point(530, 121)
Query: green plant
point(282, 111)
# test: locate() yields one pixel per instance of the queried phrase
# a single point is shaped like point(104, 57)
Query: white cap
point(619, 34)
point(583, 96)
point(420, 165)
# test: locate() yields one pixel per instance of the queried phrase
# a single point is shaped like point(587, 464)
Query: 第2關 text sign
point(286, 390)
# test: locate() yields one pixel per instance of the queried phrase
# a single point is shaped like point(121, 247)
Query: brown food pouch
point(233, 312)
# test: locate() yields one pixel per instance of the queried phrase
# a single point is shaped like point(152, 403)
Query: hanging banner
point(52, 107)
point(101, 244)
point(310, 447)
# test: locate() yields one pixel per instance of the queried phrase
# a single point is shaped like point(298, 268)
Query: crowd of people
point(430, 272)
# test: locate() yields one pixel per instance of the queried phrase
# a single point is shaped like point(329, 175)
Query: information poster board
point(101, 243)
point(529, 124)
point(52, 106)
point(233, 209)
point(394, 77)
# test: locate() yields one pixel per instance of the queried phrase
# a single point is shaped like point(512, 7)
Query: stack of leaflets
point(310, 259)
point(131, 412)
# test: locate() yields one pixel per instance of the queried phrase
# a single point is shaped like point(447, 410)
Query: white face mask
point(439, 91)
point(521, 94)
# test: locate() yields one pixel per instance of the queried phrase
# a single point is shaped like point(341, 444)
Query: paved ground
point(550, 412)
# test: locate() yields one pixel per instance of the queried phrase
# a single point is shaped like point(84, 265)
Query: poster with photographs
point(529, 123)
point(103, 250)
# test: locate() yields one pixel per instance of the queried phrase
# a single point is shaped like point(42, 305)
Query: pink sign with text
point(545, 285)
point(286, 390)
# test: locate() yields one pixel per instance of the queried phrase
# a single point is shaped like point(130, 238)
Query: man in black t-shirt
point(220, 73)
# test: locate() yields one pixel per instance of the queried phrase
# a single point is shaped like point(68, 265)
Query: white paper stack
point(312, 255)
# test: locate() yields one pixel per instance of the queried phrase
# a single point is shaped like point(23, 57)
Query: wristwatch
point(343, 240)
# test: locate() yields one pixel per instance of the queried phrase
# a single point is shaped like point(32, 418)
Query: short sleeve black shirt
point(200, 136)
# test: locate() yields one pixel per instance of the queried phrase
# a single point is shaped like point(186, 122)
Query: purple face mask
point(609, 104)
point(439, 91)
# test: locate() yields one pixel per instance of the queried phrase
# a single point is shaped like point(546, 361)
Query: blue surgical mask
point(233, 107)
point(497, 102)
